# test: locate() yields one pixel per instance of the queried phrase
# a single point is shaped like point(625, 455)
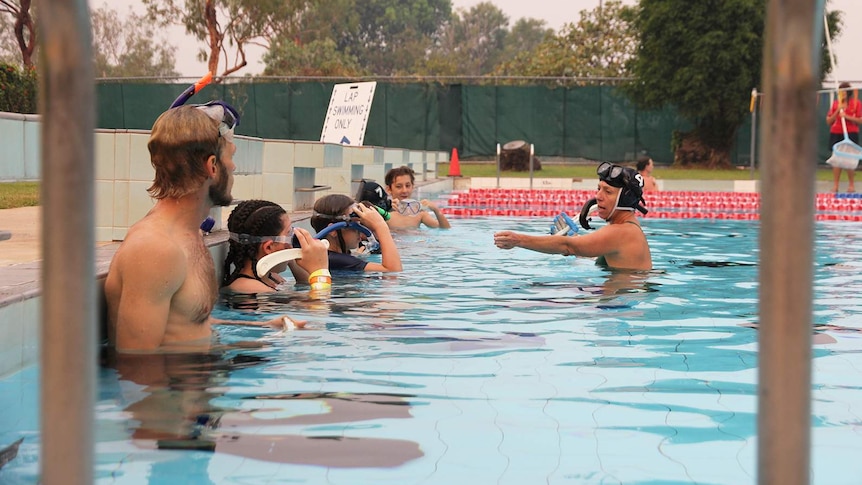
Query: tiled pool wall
point(291, 173)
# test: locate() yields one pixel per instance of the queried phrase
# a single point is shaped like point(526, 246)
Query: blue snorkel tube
point(343, 225)
point(270, 261)
point(371, 245)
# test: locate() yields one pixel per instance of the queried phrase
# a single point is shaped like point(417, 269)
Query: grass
point(19, 194)
point(483, 169)
point(26, 194)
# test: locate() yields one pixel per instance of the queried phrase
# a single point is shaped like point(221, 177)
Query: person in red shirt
point(849, 108)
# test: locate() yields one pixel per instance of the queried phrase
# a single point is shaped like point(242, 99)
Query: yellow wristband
point(320, 272)
point(321, 286)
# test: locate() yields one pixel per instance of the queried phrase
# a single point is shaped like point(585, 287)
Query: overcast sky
point(848, 48)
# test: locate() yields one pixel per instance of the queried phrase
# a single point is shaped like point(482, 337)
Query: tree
point(391, 35)
point(835, 19)
point(24, 27)
point(473, 42)
point(599, 45)
point(315, 59)
point(702, 58)
point(129, 47)
point(225, 26)
point(9, 52)
point(481, 35)
point(525, 36)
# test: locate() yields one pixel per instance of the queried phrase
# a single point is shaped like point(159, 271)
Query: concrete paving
point(24, 226)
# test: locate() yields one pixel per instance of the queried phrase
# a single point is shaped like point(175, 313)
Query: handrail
point(315, 188)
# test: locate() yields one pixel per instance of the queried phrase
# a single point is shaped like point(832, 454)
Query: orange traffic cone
point(454, 164)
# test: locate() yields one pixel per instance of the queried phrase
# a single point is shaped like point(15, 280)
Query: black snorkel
point(584, 218)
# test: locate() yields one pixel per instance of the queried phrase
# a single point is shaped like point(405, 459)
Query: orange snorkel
point(192, 90)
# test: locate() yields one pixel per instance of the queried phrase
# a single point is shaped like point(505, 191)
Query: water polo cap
point(627, 179)
point(374, 193)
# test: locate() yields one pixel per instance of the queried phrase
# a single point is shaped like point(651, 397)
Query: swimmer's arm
point(589, 245)
point(314, 257)
point(280, 323)
point(603, 242)
point(542, 244)
point(298, 272)
point(391, 260)
point(149, 285)
point(439, 219)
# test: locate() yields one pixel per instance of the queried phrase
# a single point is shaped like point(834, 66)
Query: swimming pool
point(477, 365)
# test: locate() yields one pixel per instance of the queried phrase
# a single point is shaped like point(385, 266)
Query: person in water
point(343, 223)
point(161, 286)
point(645, 166)
point(409, 213)
point(620, 244)
point(258, 228)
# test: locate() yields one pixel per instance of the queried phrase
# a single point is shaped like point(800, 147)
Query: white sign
point(347, 114)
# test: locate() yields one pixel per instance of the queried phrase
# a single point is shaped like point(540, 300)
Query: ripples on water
point(489, 366)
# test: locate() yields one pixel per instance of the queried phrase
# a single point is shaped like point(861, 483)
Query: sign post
point(347, 115)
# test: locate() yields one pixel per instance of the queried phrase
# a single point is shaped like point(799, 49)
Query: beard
point(220, 192)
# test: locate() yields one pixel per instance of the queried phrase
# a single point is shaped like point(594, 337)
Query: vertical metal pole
point(532, 150)
point(498, 165)
point(602, 39)
point(790, 76)
point(68, 335)
point(753, 128)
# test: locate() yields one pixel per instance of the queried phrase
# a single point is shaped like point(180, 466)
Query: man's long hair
point(181, 141)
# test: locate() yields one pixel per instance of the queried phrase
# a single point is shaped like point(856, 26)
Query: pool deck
point(24, 226)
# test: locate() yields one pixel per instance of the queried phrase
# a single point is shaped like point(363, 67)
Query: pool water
point(477, 365)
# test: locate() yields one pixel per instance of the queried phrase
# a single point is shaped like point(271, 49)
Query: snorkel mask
point(225, 114)
point(409, 207)
point(631, 183)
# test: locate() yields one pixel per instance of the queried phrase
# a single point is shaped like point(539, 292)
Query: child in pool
point(408, 213)
point(258, 228)
point(351, 221)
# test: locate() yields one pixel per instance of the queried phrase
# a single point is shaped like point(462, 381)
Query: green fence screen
point(596, 122)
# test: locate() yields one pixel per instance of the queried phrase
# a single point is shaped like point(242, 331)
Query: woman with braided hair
point(258, 228)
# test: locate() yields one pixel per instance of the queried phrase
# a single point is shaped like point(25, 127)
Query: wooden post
point(68, 348)
point(791, 65)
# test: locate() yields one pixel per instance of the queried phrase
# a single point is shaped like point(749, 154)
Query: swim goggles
point(225, 114)
point(409, 207)
point(611, 174)
point(249, 239)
